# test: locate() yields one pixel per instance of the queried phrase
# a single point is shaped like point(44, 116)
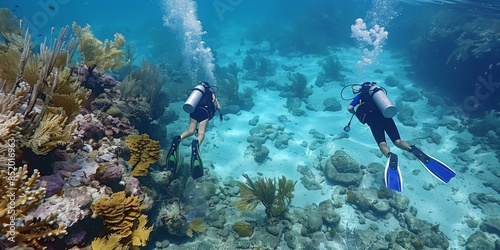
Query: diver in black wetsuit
point(368, 113)
point(199, 117)
point(376, 110)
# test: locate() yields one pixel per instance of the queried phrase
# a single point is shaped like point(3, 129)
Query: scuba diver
point(202, 104)
point(376, 110)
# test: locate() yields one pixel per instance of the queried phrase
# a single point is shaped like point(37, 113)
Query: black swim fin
point(392, 174)
point(173, 155)
point(196, 164)
point(434, 166)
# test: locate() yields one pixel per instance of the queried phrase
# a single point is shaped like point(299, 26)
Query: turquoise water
point(438, 61)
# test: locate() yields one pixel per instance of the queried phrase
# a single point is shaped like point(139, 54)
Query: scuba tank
point(194, 98)
point(384, 104)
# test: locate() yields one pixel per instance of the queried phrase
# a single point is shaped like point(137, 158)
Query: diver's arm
point(217, 106)
point(216, 102)
point(353, 104)
point(351, 109)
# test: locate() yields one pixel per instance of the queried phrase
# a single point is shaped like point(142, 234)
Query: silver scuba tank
point(383, 102)
point(194, 98)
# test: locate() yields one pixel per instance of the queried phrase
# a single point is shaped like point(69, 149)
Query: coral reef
point(143, 152)
point(20, 194)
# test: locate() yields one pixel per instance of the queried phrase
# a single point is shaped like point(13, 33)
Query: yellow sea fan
point(247, 201)
point(105, 243)
point(196, 225)
point(140, 235)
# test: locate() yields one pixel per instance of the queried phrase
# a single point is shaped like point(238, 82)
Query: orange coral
point(122, 216)
point(143, 152)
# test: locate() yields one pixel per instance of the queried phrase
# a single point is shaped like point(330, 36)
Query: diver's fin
point(173, 155)
point(392, 175)
point(434, 166)
point(196, 164)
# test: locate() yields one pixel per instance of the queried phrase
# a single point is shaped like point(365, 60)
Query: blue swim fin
point(434, 166)
point(392, 175)
point(196, 164)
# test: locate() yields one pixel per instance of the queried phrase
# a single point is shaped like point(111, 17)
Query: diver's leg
point(404, 145)
point(191, 129)
point(379, 136)
point(393, 133)
point(201, 131)
point(384, 148)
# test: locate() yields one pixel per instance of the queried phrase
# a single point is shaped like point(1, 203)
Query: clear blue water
point(430, 37)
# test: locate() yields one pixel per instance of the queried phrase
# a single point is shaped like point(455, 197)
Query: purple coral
point(54, 184)
point(109, 174)
point(117, 126)
point(92, 79)
point(89, 127)
point(133, 186)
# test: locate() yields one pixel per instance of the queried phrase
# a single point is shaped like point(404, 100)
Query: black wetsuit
point(206, 107)
point(368, 113)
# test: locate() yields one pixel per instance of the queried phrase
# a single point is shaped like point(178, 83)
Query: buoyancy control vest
point(201, 96)
point(374, 102)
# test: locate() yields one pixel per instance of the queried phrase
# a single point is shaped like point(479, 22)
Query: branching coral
point(143, 152)
point(105, 56)
point(45, 127)
point(274, 198)
point(122, 217)
point(10, 119)
point(53, 131)
point(20, 195)
point(10, 123)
